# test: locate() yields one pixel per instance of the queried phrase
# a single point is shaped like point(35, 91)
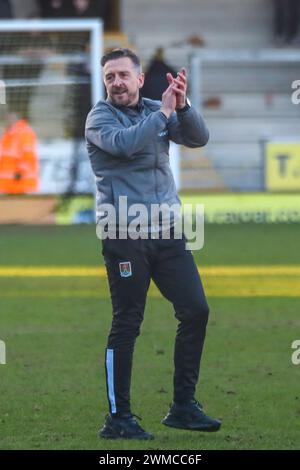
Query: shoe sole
point(107, 435)
point(189, 427)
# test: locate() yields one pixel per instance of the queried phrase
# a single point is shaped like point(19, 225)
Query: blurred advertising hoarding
point(282, 165)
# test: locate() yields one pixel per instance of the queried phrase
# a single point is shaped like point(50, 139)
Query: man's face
point(122, 81)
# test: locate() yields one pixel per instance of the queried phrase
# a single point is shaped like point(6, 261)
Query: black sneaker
point(123, 427)
point(190, 416)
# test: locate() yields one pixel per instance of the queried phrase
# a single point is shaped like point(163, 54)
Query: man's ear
point(141, 79)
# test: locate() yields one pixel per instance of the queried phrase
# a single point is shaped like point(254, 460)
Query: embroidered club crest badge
point(125, 269)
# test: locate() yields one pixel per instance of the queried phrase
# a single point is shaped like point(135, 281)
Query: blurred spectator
point(5, 10)
point(73, 8)
point(18, 157)
point(90, 9)
point(24, 9)
point(286, 20)
point(79, 101)
point(155, 77)
point(55, 8)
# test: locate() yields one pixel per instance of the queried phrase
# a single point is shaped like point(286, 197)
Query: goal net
point(50, 78)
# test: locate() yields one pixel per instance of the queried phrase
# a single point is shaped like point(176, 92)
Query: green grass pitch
point(52, 389)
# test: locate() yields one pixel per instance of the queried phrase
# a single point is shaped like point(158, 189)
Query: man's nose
point(117, 81)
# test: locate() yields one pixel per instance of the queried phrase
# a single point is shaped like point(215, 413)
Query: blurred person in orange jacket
point(18, 157)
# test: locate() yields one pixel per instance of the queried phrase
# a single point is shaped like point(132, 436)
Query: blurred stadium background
point(55, 308)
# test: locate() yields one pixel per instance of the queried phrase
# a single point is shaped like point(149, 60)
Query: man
point(128, 140)
point(286, 20)
point(5, 10)
point(55, 8)
point(19, 168)
point(155, 77)
point(90, 8)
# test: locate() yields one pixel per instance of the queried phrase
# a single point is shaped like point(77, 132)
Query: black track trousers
point(130, 265)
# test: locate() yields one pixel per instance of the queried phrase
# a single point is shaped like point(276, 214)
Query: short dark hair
point(119, 54)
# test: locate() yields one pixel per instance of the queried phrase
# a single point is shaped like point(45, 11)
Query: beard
point(123, 97)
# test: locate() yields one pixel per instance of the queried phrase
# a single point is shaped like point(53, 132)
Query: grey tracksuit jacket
point(129, 151)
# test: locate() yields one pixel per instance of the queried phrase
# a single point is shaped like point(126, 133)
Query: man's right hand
point(168, 102)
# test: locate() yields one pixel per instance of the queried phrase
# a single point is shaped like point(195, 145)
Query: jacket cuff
point(184, 109)
point(163, 116)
